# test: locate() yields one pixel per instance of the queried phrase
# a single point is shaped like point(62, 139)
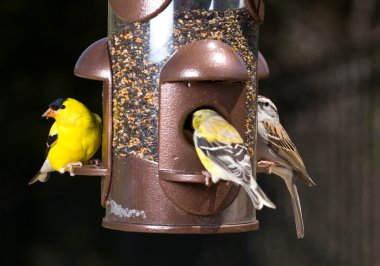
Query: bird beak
point(49, 113)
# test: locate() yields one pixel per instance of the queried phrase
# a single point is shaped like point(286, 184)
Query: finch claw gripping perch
point(71, 166)
point(208, 179)
point(265, 166)
point(93, 162)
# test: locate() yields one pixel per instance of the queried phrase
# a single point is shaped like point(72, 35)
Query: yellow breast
point(74, 144)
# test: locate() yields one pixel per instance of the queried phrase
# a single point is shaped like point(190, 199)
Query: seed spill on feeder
point(136, 78)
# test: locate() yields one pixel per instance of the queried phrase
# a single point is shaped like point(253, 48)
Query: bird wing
point(217, 129)
point(52, 139)
point(279, 140)
point(233, 158)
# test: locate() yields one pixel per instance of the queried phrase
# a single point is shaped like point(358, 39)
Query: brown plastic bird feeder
point(163, 60)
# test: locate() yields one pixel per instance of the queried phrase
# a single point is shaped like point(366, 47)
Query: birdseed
point(136, 78)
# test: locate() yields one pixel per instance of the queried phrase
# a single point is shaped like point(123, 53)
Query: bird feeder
point(163, 60)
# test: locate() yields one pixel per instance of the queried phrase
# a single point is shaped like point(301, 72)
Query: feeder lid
point(205, 60)
point(138, 10)
point(94, 62)
point(262, 69)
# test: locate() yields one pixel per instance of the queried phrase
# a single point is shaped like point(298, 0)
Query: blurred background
point(324, 58)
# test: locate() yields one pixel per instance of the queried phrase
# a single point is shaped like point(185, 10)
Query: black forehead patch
point(57, 103)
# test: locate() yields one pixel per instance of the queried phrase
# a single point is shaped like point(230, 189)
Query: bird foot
point(208, 179)
point(70, 167)
point(93, 162)
point(265, 167)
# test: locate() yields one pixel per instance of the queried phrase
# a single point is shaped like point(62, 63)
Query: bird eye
point(63, 106)
point(266, 103)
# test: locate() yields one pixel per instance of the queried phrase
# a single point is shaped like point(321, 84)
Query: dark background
point(324, 58)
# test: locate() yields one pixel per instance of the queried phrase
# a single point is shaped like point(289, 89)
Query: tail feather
point(288, 176)
point(296, 207)
point(42, 177)
point(258, 197)
point(297, 212)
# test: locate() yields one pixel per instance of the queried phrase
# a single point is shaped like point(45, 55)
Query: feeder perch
point(163, 60)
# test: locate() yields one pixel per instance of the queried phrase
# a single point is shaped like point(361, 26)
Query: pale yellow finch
point(222, 152)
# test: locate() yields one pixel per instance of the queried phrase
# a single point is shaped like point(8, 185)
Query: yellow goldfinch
point(222, 152)
point(73, 138)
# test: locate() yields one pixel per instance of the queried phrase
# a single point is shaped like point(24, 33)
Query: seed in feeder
point(136, 78)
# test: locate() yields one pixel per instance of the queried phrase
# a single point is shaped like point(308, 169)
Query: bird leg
point(265, 167)
point(71, 166)
point(208, 179)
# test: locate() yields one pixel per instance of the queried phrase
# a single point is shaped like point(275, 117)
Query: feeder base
point(175, 229)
